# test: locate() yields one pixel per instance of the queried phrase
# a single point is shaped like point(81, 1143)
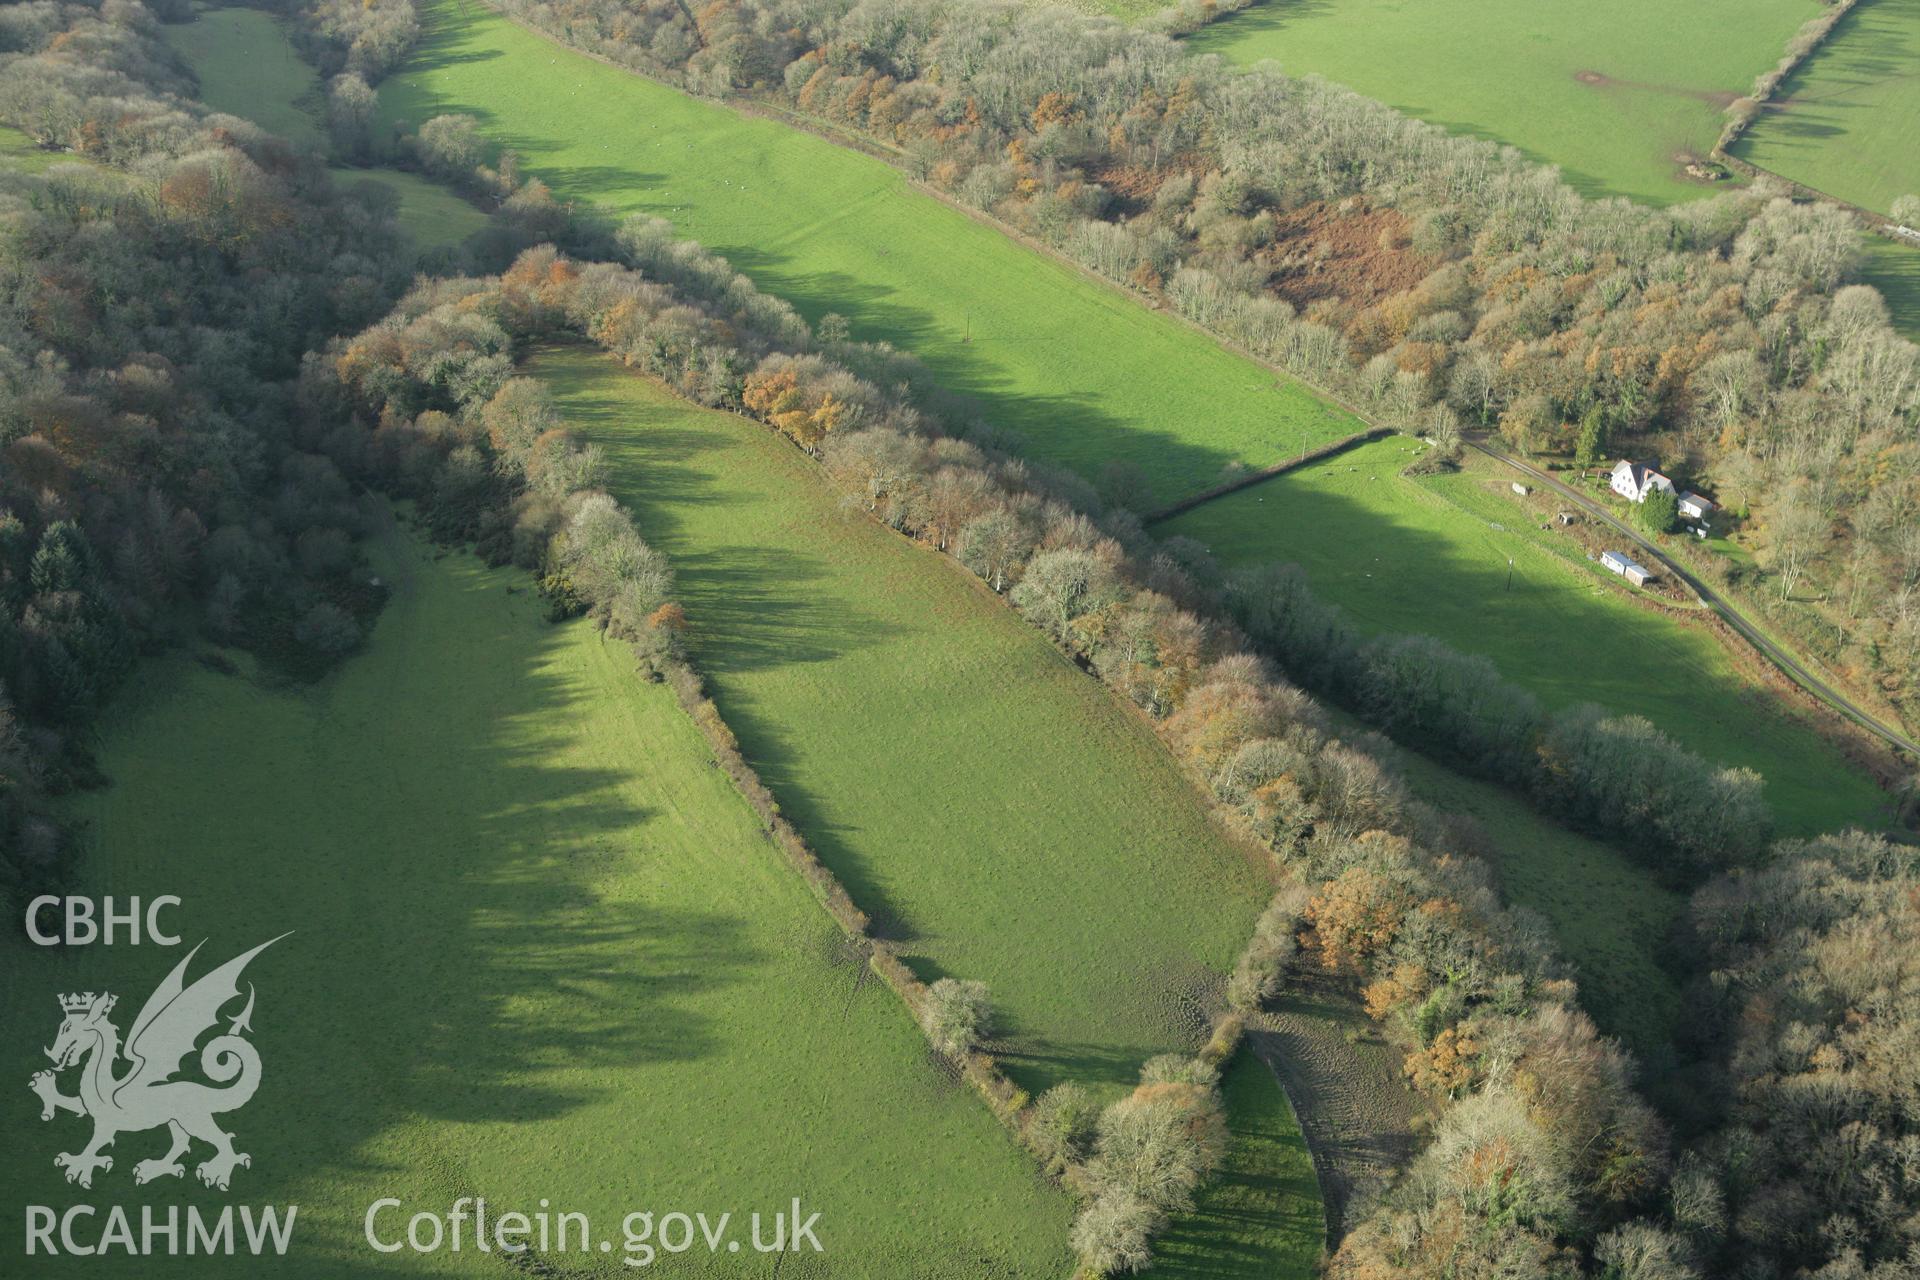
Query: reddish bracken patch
point(1359, 256)
point(1131, 186)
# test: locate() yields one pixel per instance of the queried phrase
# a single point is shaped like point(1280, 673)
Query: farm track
point(1794, 669)
point(1346, 1091)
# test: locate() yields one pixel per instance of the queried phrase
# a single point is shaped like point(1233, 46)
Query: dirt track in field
point(1346, 1088)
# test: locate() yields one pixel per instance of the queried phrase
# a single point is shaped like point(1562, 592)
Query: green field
point(1610, 93)
point(993, 808)
point(1084, 373)
point(977, 794)
point(1844, 123)
point(248, 68)
point(1894, 269)
point(1235, 1229)
point(435, 216)
point(542, 949)
point(1401, 555)
point(20, 152)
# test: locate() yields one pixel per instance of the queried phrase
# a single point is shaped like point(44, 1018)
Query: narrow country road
point(1713, 600)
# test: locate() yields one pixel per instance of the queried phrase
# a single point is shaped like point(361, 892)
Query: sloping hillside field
point(1614, 94)
point(540, 949)
point(1084, 374)
point(987, 803)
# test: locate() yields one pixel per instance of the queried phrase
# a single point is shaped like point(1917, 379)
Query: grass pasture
point(1610, 93)
point(993, 808)
point(1845, 121)
point(542, 950)
point(248, 68)
point(1083, 373)
point(1233, 1230)
point(1894, 269)
point(985, 801)
point(1424, 556)
point(434, 215)
point(22, 154)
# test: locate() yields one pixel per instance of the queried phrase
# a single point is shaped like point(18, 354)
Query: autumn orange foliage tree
point(779, 398)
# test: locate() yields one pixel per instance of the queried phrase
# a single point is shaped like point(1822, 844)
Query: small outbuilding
point(1520, 489)
point(1694, 507)
point(1633, 571)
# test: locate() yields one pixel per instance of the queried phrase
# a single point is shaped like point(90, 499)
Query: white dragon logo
point(147, 1096)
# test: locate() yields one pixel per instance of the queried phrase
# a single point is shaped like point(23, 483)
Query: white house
point(1695, 507)
point(1634, 482)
